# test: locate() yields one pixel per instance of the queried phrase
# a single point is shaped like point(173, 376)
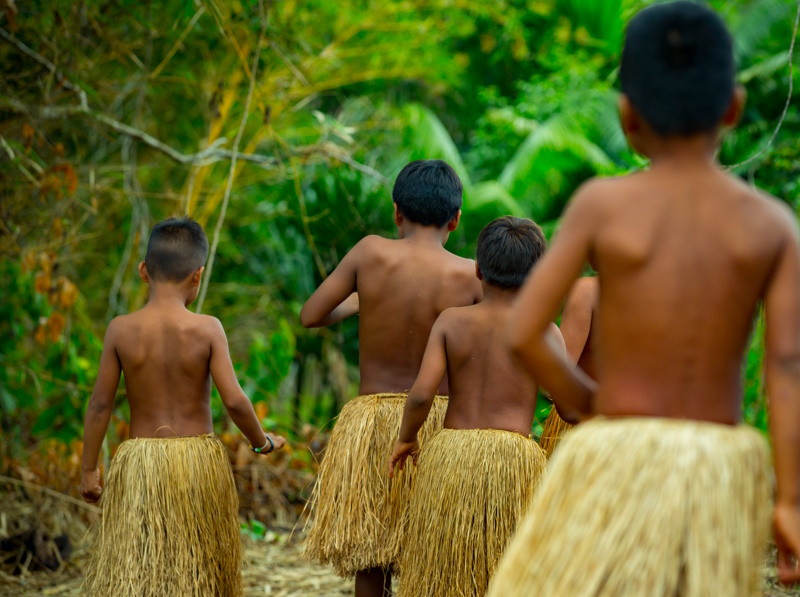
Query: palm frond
point(754, 25)
point(765, 68)
point(427, 138)
point(538, 171)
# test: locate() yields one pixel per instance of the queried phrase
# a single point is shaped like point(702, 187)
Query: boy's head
point(508, 248)
point(428, 192)
point(678, 70)
point(177, 248)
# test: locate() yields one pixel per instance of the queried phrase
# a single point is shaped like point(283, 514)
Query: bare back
point(487, 389)
point(402, 288)
point(683, 261)
point(165, 356)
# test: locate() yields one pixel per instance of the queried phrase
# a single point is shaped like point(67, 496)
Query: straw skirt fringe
point(472, 488)
point(170, 522)
point(357, 511)
point(553, 431)
point(652, 507)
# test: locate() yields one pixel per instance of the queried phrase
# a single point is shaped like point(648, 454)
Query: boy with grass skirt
point(170, 523)
point(476, 476)
point(398, 288)
point(665, 492)
point(576, 327)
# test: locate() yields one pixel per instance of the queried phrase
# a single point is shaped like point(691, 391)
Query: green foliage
point(518, 95)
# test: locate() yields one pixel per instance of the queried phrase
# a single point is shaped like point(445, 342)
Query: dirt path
point(274, 569)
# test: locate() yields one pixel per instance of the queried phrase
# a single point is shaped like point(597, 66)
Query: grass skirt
point(170, 522)
point(358, 512)
point(553, 431)
point(473, 486)
point(652, 507)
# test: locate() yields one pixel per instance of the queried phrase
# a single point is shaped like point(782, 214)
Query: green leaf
point(537, 171)
point(428, 139)
point(601, 18)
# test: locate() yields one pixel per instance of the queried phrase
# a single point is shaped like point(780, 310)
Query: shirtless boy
point(170, 517)
point(678, 502)
point(484, 457)
point(402, 286)
point(576, 327)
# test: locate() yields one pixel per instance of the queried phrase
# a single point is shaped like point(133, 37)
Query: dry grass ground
point(273, 567)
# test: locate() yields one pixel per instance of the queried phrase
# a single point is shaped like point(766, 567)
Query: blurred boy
point(170, 516)
point(476, 475)
point(666, 493)
point(402, 286)
point(576, 327)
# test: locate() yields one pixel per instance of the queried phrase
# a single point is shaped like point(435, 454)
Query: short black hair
point(508, 248)
point(678, 68)
point(177, 247)
point(428, 192)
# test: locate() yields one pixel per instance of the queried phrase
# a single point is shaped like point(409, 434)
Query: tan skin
point(402, 286)
point(398, 288)
point(169, 356)
point(685, 253)
point(488, 390)
point(576, 323)
point(576, 327)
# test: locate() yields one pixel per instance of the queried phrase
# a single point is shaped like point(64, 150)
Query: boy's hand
point(786, 520)
point(272, 442)
point(90, 485)
point(401, 452)
point(277, 440)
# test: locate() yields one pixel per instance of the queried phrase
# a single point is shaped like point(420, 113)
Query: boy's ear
point(398, 216)
point(478, 272)
point(628, 118)
point(453, 224)
point(143, 272)
point(197, 275)
point(736, 108)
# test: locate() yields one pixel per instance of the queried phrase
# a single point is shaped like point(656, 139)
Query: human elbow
point(417, 401)
point(309, 319)
point(99, 406)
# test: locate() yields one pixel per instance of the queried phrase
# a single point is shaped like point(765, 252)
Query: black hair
point(678, 68)
point(428, 192)
point(508, 248)
point(177, 247)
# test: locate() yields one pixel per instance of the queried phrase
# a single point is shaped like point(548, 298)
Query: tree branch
point(234, 155)
point(202, 158)
point(62, 79)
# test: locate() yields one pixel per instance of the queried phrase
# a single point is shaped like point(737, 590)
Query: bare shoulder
point(779, 213)
point(461, 266)
point(116, 327)
point(369, 245)
point(208, 324)
point(595, 193)
point(452, 317)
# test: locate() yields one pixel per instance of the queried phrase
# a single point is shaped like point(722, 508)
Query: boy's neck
point(423, 234)
point(168, 295)
point(697, 150)
point(495, 294)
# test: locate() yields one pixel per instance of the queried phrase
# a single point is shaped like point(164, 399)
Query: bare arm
point(233, 397)
point(576, 320)
point(539, 302)
point(98, 414)
point(782, 307)
point(421, 397)
point(333, 301)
